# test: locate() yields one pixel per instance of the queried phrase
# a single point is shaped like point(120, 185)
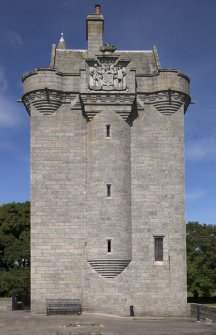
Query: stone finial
point(61, 43)
point(107, 47)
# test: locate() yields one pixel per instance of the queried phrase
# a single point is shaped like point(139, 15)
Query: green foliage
point(15, 280)
point(15, 253)
point(14, 248)
point(201, 259)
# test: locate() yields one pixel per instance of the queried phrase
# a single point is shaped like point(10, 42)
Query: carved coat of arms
point(107, 76)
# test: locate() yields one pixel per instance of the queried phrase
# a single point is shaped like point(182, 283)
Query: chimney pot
point(97, 9)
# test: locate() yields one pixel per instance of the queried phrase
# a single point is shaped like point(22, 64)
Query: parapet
point(103, 75)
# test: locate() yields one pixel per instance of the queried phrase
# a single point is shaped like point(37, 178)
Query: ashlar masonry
point(107, 179)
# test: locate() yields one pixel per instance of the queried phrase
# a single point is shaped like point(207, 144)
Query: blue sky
point(185, 34)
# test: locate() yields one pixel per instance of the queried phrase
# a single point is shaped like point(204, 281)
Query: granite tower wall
point(102, 198)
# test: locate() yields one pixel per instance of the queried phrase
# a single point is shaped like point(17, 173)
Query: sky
point(184, 32)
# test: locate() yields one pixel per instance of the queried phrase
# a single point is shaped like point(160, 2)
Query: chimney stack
point(94, 31)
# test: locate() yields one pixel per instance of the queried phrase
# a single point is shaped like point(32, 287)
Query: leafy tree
point(15, 253)
point(14, 248)
point(201, 259)
point(17, 280)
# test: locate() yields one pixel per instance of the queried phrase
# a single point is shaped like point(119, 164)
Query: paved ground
point(25, 323)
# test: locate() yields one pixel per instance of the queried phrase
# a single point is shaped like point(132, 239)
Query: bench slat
point(63, 305)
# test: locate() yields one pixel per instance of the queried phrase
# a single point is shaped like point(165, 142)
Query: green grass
point(210, 305)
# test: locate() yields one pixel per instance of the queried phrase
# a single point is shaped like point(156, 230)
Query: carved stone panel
point(107, 74)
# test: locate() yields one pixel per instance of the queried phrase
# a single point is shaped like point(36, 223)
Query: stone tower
point(107, 179)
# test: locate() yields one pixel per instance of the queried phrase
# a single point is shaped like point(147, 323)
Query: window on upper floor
point(158, 246)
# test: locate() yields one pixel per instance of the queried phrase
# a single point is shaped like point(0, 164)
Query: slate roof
point(71, 61)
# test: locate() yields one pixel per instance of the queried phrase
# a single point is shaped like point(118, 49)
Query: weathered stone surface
point(74, 159)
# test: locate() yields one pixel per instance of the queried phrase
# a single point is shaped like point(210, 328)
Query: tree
point(15, 253)
point(14, 248)
point(201, 259)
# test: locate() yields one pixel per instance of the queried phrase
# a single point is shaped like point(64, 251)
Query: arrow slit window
point(108, 245)
point(108, 130)
point(108, 190)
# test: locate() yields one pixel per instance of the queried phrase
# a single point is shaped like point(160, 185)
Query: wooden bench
point(63, 306)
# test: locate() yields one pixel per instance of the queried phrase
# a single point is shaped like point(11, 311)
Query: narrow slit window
point(109, 245)
point(108, 190)
point(108, 130)
point(158, 241)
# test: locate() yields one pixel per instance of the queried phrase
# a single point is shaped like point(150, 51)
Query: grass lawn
point(210, 305)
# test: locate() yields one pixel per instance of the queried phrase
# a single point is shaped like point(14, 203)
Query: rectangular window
point(158, 241)
point(108, 130)
point(108, 190)
point(109, 245)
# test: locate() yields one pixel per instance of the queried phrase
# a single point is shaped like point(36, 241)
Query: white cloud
point(9, 113)
point(14, 38)
point(201, 149)
point(9, 110)
point(195, 195)
point(3, 80)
